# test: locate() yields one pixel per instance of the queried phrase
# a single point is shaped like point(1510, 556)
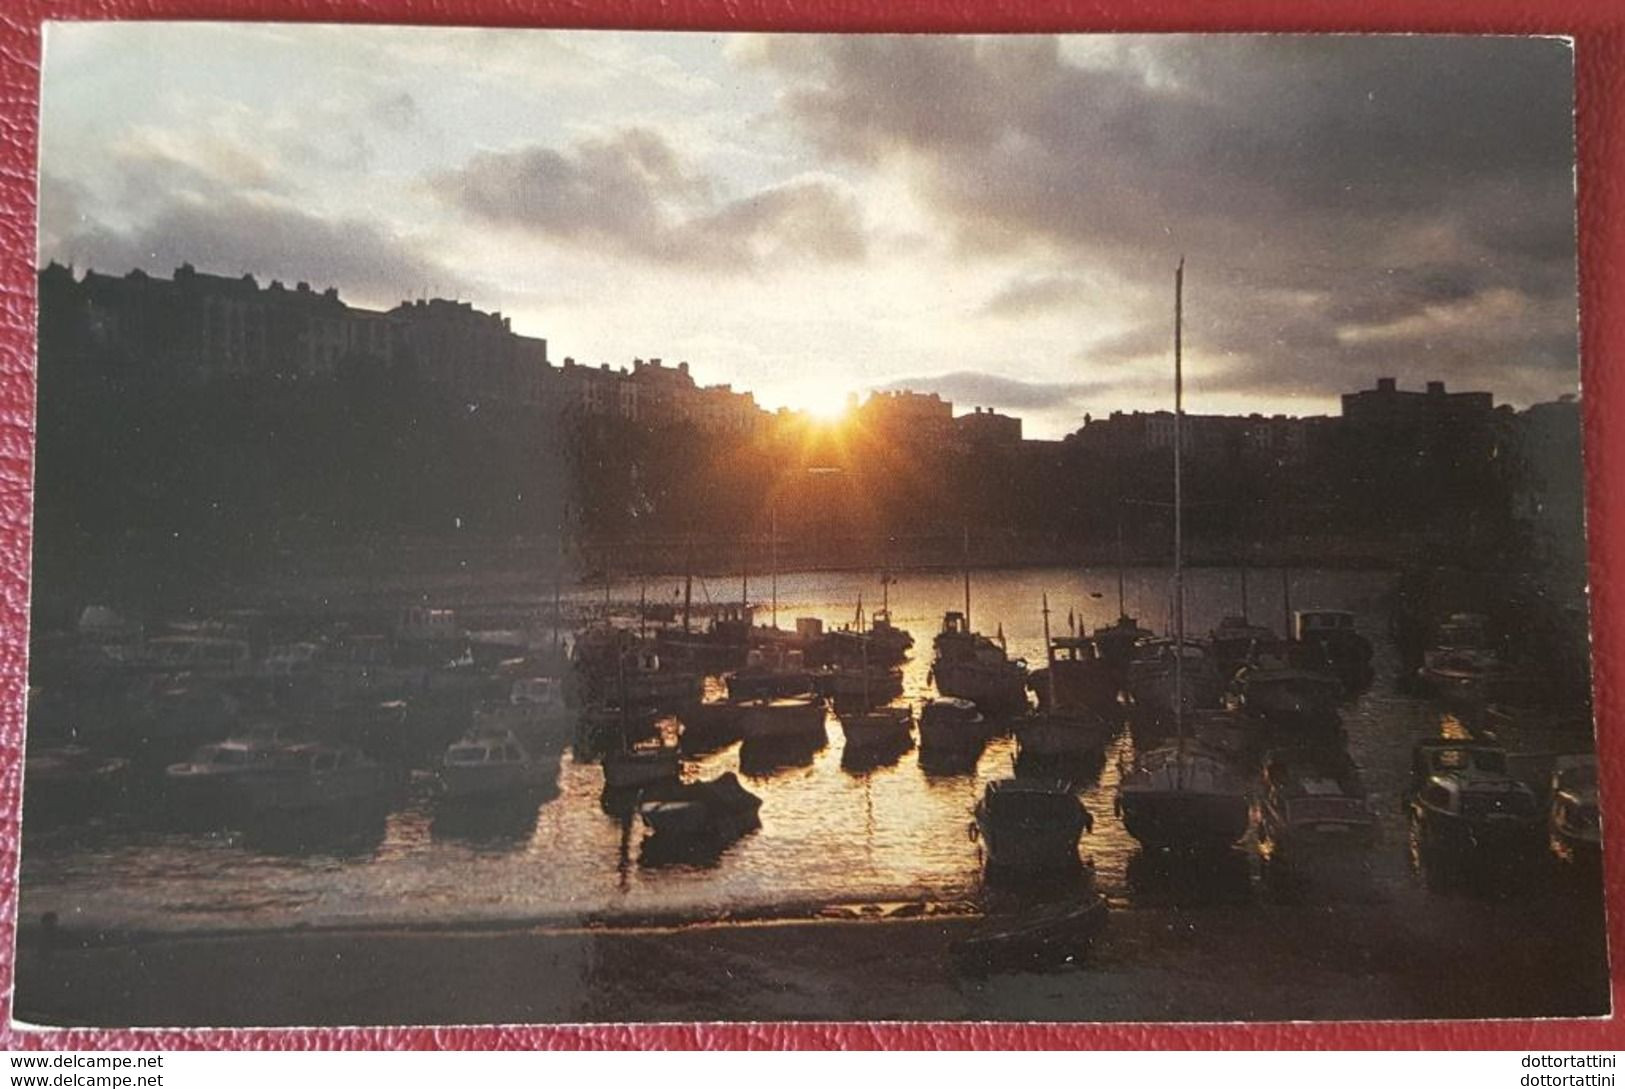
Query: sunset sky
point(996, 219)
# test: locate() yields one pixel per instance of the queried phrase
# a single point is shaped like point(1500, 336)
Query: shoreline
point(1161, 964)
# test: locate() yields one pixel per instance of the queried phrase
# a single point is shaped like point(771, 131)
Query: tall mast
point(1244, 588)
point(1179, 510)
point(966, 563)
point(774, 552)
point(1049, 654)
point(1122, 602)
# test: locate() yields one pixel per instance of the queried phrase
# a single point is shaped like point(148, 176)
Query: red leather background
point(1598, 28)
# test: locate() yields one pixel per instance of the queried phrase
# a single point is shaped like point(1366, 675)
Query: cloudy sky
point(997, 219)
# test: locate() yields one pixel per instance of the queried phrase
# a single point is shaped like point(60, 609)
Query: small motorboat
point(709, 813)
point(1061, 735)
point(1314, 798)
point(1162, 676)
point(887, 728)
point(1030, 826)
point(770, 677)
point(1048, 936)
point(948, 724)
point(1576, 820)
point(788, 718)
point(210, 777)
point(1288, 697)
point(488, 763)
point(1462, 797)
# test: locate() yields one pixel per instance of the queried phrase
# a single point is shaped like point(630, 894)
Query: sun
point(827, 404)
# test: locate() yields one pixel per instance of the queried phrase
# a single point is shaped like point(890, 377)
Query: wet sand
point(1156, 965)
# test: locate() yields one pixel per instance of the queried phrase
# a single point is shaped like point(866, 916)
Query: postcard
point(582, 526)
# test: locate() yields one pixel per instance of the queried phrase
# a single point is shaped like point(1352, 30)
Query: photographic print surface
point(572, 526)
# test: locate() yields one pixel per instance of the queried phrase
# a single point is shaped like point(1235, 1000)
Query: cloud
point(997, 391)
point(632, 194)
point(1028, 295)
point(264, 237)
point(1320, 186)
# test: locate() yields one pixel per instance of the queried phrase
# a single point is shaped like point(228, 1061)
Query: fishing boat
point(1076, 677)
point(1462, 798)
point(972, 667)
point(1313, 798)
point(1576, 820)
point(1030, 826)
point(488, 763)
point(1180, 796)
point(1237, 641)
point(1067, 725)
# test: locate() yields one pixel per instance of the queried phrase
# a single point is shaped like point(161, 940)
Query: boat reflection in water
point(693, 823)
point(765, 758)
point(499, 824)
point(353, 830)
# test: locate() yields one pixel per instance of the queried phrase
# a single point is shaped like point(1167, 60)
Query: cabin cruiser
point(1462, 664)
point(1286, 696)
point(535, 711)
point(1030, 825)
point(312, 775)
point(787, 719)
point(488, 763)
point(1462, 796)
point(1576, 820)
point(1183, 796)
point(707, 814)
point(1158, 671)
point(1314, 798)
point(210, 777)
point(1076, 677)
point(973, 667)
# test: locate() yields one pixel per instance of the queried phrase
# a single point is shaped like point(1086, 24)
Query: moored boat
point(1313, 798)
point(1463, 798)
point(1030, 826)
point(703, 814)
point(785, 719)
point(879, 728)
point(973, 667)
point(1576, 819)
point(952, 724)
point(313, 776)
point(488, 763)
point(1183, 797)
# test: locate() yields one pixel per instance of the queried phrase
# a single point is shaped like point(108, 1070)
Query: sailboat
point(1182, 795)
point(1117, 641)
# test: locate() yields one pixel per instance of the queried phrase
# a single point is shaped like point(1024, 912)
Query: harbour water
point(835, 840)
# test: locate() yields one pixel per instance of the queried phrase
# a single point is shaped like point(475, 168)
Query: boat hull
point(1185, 820)
point(782, 720)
